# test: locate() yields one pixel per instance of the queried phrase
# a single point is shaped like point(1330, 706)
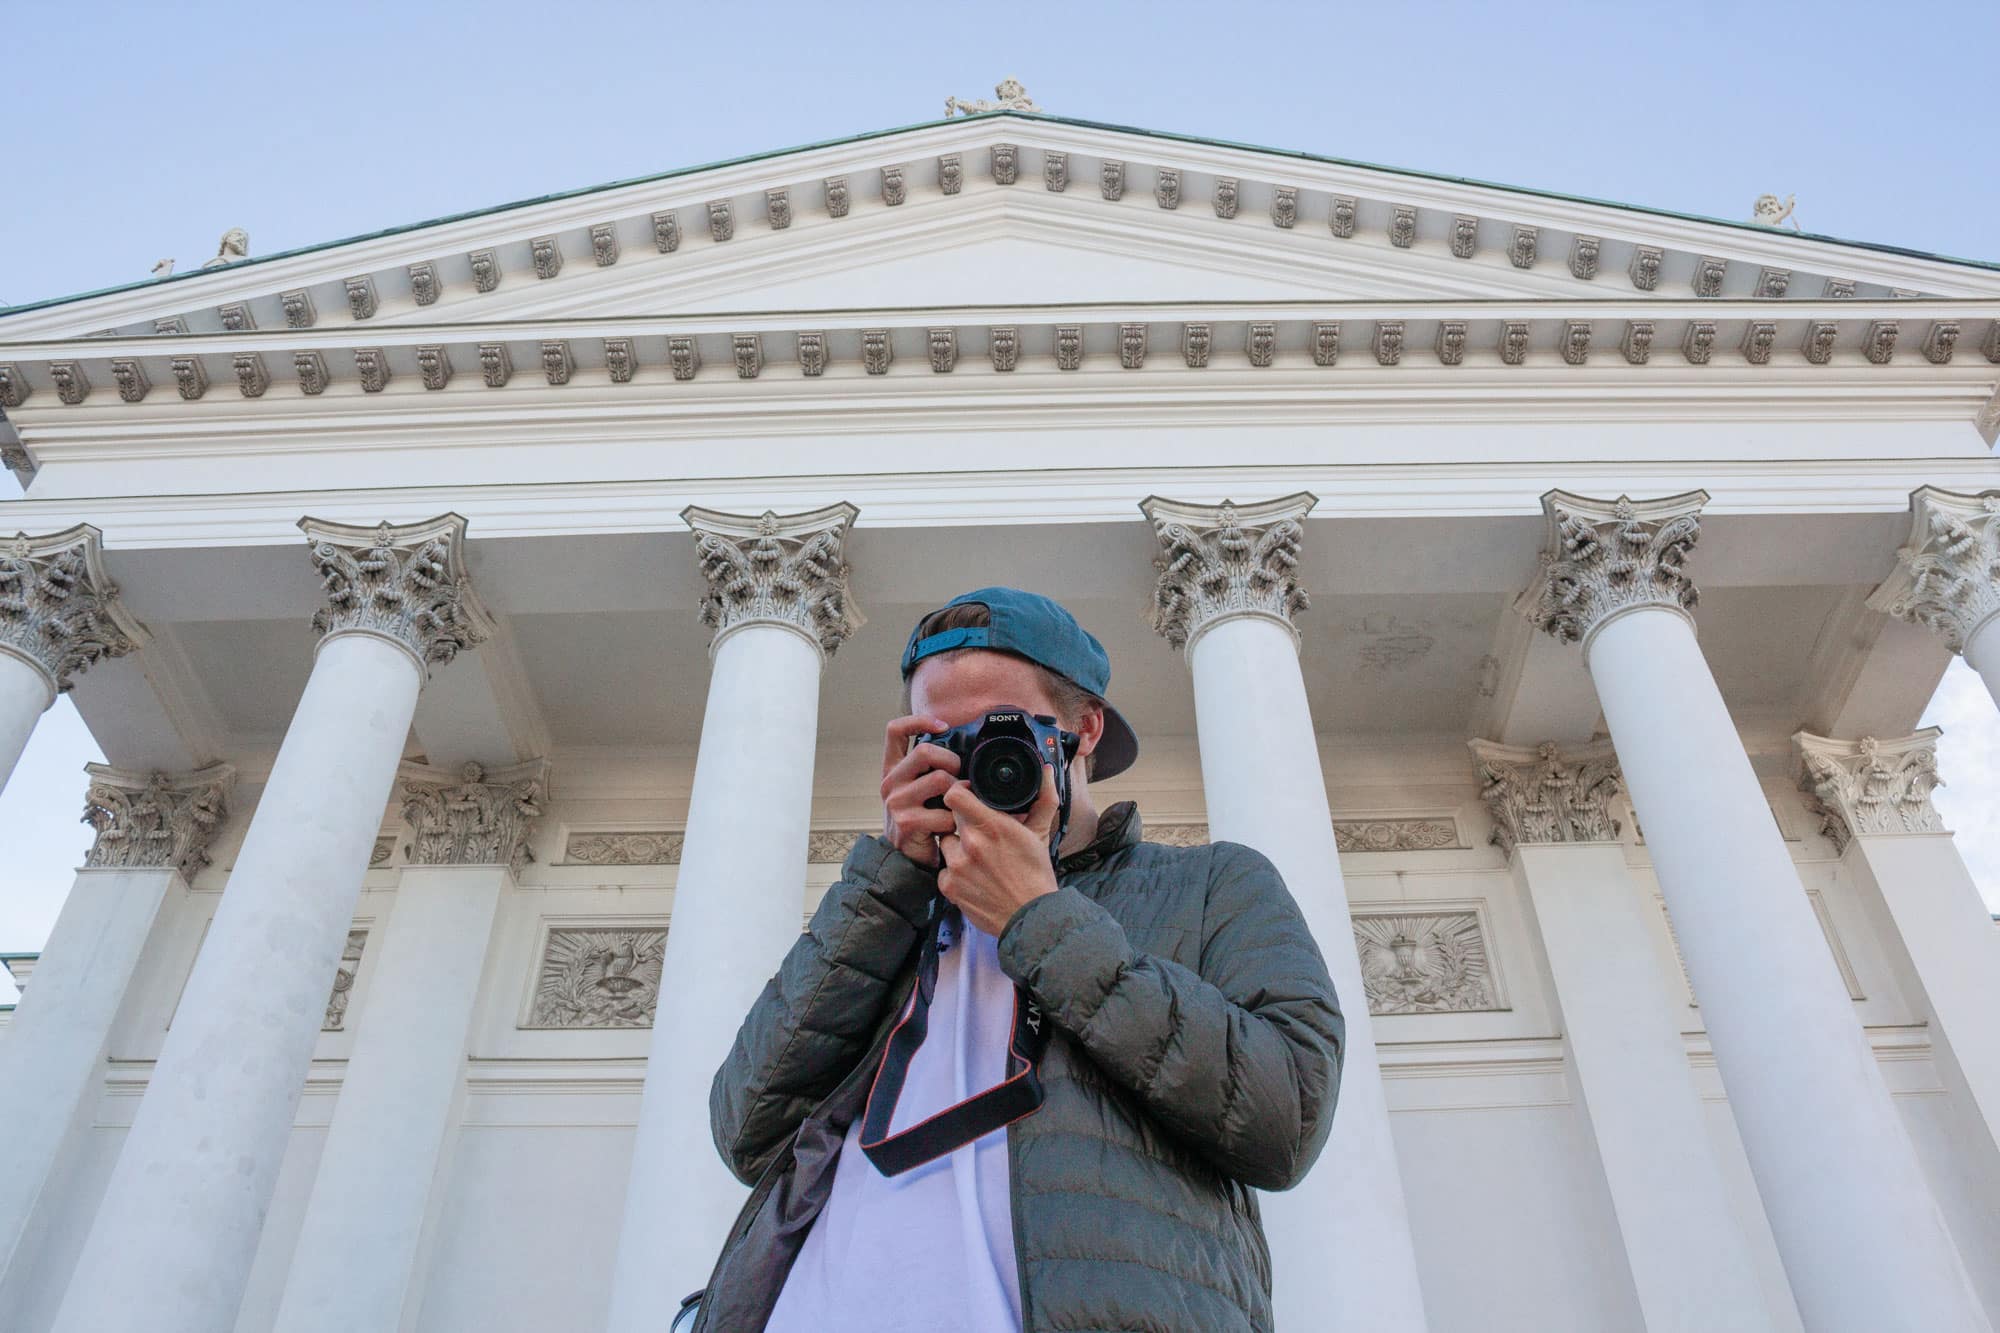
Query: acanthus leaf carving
point(1522, 252)
point(1216, 562)
point(893, 189)
point(1464, 236)
point(58, 610)
point(1225, 196)
point(1583, 257)
point(1870, 786)
point(666, 231)
point(1055, 171)
point(1004, 345)
point(130, 376)
point(1285, 207)
point(604, 244)
point(1602, 557)
point(812, 352)
point(721, 220)
point(300, 312)
point(310, 367)
point(1196, 342)
point(951, 173)
point(1388, 342)
point(1947, 575)
point(1645, 268)
point(476, 817)
point(251, 375)
point(424, 284)
point(371, 367)
point(838, 200)
point(619, 360)
point(156, 819)
point(1167, 188)
point(1549, 794)
point(943, 344)
point(788, 570)
point(1111, 179)
point(434, 366)
point(485, 270)
point(1402, 226)
point(1340, 217)
point(1006, 164)
point(361, 302)
point(404, 583)
point(877, 350)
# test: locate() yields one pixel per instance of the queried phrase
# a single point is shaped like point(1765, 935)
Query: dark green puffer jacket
point(1196, 1056)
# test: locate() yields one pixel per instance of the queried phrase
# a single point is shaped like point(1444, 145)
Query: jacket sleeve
point(816, 1017)
point(1241, 1060)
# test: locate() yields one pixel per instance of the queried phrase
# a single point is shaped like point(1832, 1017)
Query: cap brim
point(1117, 750)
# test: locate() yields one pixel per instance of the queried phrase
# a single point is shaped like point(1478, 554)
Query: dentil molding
point(1602, 557)
point(58, 610)
point(786, 570)
point(1870, 786)
point(149, 820)
point(1947, 575)
point(1219, 561)
point(475, 817)
point(1547, 794)
point(404, 583)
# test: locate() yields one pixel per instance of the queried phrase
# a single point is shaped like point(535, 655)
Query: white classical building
point(1671, 1005)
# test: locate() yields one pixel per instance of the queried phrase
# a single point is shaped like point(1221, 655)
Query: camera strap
point(1018, 1095)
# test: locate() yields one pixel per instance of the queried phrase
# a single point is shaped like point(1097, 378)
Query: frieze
point(1423, 833)
point(343, 982)
point(1424, 962)
point(598, 977)
point(623, 848)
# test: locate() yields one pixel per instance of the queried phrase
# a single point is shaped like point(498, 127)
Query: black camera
point(1001, 756)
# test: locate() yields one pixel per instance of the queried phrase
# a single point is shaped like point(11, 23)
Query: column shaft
point(1686, 1252)
point(736, 911)
point(1342, 1255)
point(25, 694)
point(52, 1061)
point(1862, 1240)
point(355, 1265)
point(177, 1230)
point(1982, 654)
point(1952, 944)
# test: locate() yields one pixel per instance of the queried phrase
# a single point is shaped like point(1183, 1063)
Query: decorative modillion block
point(769, 569)
point(150, 820)
point(1605, 557)
point(477, 818)
point(1947, 575)
point(1870, 786)
point(58, 610)
point(1547, 794)
point(1217, 562)
point(406, 584)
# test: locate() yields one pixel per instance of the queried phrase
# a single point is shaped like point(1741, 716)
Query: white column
point(1947, 576)
point(1874, 800)
point(171, 1248)
point(777, 597)
point(1861, 1237)
point(356, 1263)
point(1342, 1256)
point(1686, 1252)
point(58, 615)
point(152, 835)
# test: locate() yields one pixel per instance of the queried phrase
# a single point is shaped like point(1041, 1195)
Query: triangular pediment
point(1004, 209)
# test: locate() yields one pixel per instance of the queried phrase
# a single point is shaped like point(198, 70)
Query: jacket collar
point(1117, 828)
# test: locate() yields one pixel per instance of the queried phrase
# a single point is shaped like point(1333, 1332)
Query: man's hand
point(909, 778)
point(997, 863)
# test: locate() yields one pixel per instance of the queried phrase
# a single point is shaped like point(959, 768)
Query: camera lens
point(1005, 773)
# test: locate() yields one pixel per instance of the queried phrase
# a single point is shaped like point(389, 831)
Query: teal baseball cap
point(1038, 628)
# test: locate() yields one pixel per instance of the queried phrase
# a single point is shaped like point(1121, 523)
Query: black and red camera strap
point(1018, 1094)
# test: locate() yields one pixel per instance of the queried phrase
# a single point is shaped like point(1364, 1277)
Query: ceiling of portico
point(600, 642)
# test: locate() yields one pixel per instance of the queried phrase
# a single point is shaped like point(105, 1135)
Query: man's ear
point(1090, 728)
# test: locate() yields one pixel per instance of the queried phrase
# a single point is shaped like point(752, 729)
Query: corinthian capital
point(403, 583)
point(477, 819)
point(1549, 795)
point(1870, 786)
point(1947, 576)
point(1603, 557)
point(146, 820)
point(1221, 561)
point(58, 611)
point(777, 569)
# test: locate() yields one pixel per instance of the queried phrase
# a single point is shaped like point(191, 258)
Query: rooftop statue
point(1769, 212)
point(1009, 95)
point(164, 269)
point(235, 245)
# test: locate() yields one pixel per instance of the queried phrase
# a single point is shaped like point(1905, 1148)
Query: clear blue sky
point(137, 132)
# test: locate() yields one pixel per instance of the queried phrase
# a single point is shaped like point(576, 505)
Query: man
point(1193, 1052)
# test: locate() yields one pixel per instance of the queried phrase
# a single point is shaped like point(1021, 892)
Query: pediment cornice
point(1109, 184)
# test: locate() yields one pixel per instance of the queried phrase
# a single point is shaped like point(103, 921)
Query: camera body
point(1001, 755)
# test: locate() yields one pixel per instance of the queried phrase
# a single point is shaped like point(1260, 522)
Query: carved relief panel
point(1426, 962)
point(597, 976)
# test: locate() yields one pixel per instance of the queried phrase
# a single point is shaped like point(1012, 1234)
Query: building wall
point(1512, 1216)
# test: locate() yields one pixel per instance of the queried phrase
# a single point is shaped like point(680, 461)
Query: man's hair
point(1071, 699)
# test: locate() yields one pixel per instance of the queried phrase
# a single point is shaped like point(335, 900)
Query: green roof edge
point(1167, 135)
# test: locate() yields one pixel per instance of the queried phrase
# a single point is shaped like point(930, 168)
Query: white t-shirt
point(931, 1250)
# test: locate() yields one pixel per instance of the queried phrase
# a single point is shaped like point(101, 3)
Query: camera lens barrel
point(1006, 773)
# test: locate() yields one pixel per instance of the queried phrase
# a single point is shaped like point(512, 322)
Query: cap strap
point(970, 636)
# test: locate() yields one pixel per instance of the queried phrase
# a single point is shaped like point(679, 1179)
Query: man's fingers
point(1042, 814)
point(917, 762)
point(897, 742)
